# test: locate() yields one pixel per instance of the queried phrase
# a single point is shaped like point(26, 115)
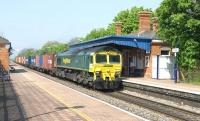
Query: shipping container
point(23, 60)
point(33, 60)
point(40, 60)
point(37, 60)
point(20, 60)
point(17, 59)
point(48, 61)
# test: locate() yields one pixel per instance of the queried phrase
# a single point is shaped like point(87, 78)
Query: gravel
point(167, 102)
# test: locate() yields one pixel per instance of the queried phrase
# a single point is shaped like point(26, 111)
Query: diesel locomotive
point(97, 67)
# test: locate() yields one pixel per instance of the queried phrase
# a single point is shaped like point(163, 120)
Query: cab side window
point(91, 59)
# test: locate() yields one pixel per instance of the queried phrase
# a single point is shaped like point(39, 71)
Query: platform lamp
point(175, 51)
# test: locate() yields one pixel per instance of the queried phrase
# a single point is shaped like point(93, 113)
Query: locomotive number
point(66, 60)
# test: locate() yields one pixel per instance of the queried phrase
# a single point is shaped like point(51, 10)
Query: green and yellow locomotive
point(97, 67)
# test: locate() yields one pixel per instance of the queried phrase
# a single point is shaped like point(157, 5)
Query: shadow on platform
point(73, 107)
point(57, 109)
point(10, 106)
point(19, 71)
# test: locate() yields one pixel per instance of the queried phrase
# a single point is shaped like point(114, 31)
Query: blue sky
point(31, 23)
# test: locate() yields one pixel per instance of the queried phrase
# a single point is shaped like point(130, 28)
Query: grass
point(195, 79)
point(192, 77)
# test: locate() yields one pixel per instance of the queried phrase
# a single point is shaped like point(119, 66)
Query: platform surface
point(32, 97)
point(167, 84)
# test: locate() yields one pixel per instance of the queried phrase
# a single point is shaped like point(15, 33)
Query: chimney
point(144, 21)
point(155, 24)
point(118, 28)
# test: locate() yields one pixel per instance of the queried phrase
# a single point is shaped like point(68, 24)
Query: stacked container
point(41, 61)
point(23, 60)
point(37, 61)
point(33, 61)
point(48, 61)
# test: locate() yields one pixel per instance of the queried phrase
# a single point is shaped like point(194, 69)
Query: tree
point(74, 40)
point(179, 25)
point(52, 47)
point(27, 52)
point(96, 33)
point(129, 19)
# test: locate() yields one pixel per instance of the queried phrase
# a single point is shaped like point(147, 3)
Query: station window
point(101, 58)
point(114, 58)
point(165, 52)
point(146, 61)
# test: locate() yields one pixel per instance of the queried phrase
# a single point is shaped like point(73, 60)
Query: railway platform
point(29, 96)
point(166, 84)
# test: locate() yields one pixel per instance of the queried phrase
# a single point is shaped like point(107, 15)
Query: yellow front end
point(106, 65)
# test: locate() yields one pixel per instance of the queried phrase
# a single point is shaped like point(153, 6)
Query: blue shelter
point(130, 41)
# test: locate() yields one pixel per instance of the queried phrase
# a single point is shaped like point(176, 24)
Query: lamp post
point(175, 51)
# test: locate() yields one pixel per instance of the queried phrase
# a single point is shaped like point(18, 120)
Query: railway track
point(180, 97)
point(156, 106)
point(171, 111)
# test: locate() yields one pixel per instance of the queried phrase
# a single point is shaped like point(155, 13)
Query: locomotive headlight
point(117, 73)
point(98, 73)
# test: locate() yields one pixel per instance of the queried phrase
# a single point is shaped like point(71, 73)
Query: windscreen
point(114, 58)
point(101, 58)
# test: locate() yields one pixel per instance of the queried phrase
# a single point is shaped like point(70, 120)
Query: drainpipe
point(157, 67)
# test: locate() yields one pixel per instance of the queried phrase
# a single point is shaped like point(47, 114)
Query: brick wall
point(118, 28)
point(4, 56)
point(144, 21)
point(155, 50)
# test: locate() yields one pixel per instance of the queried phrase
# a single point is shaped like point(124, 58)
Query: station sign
point(175, 50)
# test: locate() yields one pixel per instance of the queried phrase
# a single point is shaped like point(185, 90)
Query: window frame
point(165, 49)
point(114, 62)
point(146, 60)
point(101, 62)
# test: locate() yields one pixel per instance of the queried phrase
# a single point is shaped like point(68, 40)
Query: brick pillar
point(155, 24)
point(144, 21)
point(4, 57)
point(118, 28)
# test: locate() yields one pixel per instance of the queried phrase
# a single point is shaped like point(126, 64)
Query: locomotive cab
point(106, 66)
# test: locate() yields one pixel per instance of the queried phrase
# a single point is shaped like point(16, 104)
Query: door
point(162, 67)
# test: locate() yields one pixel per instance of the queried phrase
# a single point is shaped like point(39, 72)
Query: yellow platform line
point(83, 115)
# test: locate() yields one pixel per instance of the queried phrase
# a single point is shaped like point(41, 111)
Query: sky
point(31, 23)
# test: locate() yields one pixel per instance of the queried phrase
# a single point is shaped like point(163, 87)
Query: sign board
point(175, 50)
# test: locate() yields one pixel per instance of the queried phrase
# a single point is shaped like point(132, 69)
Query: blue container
point(29, 60)
point(26, 60)
point(41, 61)
point(33, 60)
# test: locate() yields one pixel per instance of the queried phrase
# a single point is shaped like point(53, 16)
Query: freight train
point(97, 67)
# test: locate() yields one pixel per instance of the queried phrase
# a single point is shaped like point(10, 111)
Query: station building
point(144, 54)
point(5, 52)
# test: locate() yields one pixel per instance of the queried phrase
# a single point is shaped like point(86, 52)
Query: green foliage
point(129, 19)
point(179, 25)
point(27, 52)
point(74, 40)
point(96, 33)
point(51, 47)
